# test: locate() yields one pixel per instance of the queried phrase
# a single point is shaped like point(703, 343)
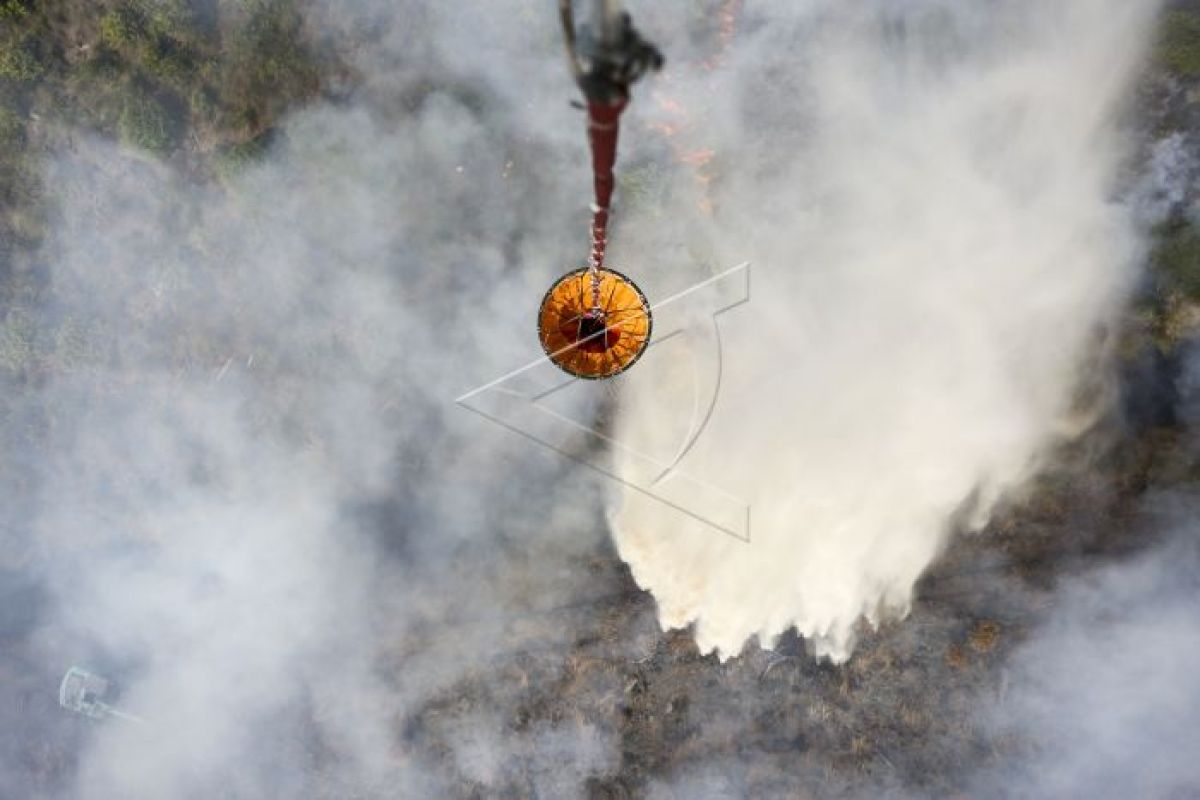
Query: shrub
point(12, 129)
point(144, 124)
point(164, 60)
point(267, 64)
point(1176, 257)
point(1179, 43)
point(232, 160)
point(171, 18)
point(18, 63)
point(13, 9)
point(122, 27)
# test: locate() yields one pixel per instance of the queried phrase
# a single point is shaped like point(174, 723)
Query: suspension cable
point(605, 59)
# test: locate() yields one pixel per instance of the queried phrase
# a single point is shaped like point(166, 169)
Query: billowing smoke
point(1104, 698)
point(235, 481)
point(926, 191)
point(249, 496)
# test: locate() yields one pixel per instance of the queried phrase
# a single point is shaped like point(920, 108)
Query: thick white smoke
point(243, 489)
point(925, 190)
point(256, 505)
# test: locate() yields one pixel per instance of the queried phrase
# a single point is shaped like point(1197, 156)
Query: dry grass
point(984, 636)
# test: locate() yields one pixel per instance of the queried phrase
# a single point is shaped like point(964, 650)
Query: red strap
point(604, 124)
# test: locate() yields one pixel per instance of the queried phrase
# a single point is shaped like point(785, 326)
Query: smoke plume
point(1104, 697)
point(926, 192)
point(245, 492)
point(235, 481)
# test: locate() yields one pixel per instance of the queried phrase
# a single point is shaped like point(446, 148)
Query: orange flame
point(727, 16)
point(678, 119)
point(697, 158)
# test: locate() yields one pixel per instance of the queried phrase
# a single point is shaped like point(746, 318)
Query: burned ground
point(575, 685)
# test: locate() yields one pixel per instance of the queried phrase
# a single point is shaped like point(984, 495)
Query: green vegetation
point(1179, 43)
point(13, 10)
point(121, 27)
point(144, 125)
point(267, 64)
point(158, 76)
point(232, 160)
point(1176, 258)
point(155, 75)
point(1170, 313)
point(19, 61)
point(12, 129)
point(147, 71)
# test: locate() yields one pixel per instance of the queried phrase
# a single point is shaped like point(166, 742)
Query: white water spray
point(925, 189)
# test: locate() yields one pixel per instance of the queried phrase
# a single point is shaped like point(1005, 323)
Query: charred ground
point(203, 87)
